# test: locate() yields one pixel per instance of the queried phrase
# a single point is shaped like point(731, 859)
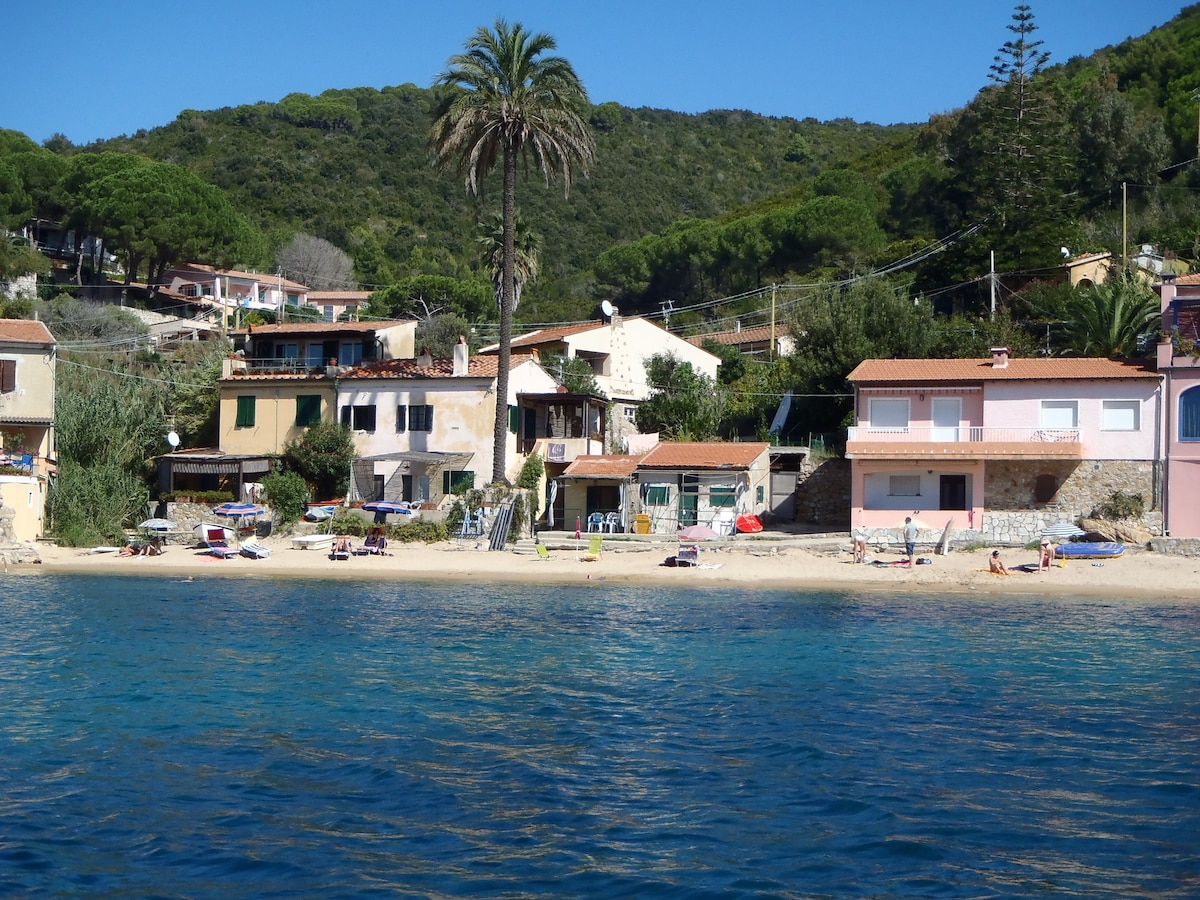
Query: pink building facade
point(1179, 365)
point(1002, 447)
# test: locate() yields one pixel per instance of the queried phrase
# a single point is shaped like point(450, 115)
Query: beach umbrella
point(1062, 530)
point(238, 510)
point(697, 533)
point(157, 525)
point(387, 506)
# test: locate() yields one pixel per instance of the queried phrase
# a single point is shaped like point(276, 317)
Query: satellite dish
point(172, 439)
point(607, 309)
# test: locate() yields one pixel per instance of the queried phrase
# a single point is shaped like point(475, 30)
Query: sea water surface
point(283, 738)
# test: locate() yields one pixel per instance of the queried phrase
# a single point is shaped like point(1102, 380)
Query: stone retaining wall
point(823, 493)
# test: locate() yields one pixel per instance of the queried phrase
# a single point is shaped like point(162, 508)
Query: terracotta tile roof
point(339, 296)
point(699, 455)
point(610, 466)
point(757, 334)
point(1188, 279)
point(477, 367)
point(25, 331)
point(276, 376)
point(259, 277)
point(545, 336)
point(930, 371)
point(320, 327)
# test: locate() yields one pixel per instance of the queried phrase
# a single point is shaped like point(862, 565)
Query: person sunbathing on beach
point(995, 566)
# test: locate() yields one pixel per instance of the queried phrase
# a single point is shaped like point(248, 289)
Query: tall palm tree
point(510, 102)
point(527, 244)
point(1113, 318)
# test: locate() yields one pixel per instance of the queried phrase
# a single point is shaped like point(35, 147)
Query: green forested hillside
point(353, 167)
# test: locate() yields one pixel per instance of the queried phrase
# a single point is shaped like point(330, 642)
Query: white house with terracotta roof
point(27, 447)
point(706, 483)
point(1001, 446)
point(617, 351)
point(424, 426)
point(232, 288)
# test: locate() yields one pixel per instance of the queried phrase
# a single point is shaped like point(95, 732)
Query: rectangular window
point(452, 481)
point(630, 413)
point(888, 412)
point(401, 418)
point(350, 353)
point(245, 412)
point(347, 411)
point(1121, 415)
point(315, 354)
point(364, 418)
point(8, 376)
point(721, 497)
point(308, 410)
point(327, 313)
point(420, 418)
point(904, 485)
point(658, 495)
point(287, 351)
point(1060, 414)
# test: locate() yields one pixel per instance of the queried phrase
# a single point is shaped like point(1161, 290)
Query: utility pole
point(992, 284)
point(1124, 228)
point(771, 352)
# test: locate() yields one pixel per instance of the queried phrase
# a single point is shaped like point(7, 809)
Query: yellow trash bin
point(641, 524)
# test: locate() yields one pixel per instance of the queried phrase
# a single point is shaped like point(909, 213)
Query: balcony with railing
point(563, 450)
point(964, 442)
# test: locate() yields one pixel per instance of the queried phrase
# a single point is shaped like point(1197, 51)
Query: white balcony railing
point(967, 434)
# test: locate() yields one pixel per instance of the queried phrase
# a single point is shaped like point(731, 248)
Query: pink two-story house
point(1000, 446)
point(1179, 365)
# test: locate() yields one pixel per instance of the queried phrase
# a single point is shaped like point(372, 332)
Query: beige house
point(336, 304)
point(424, 426)
point(761, 341)
point(27, 361)
point(283, 377)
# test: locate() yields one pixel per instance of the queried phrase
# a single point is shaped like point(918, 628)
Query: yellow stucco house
point(27, 449)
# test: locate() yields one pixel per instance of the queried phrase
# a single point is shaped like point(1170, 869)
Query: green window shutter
point(721, 497)
point(245, 412)
point(429, 418)
point(308, 410)
point(513, 419)
point(401, 418)
point(657, 495)
point(445, 481)
point(347, 412)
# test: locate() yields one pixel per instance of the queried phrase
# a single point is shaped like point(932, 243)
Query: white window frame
point(1116, 414)
point(1051, 409)
point(879, 421)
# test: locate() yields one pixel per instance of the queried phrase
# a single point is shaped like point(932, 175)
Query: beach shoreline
point(825, 566)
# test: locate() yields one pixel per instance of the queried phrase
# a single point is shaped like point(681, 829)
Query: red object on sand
point(748, 524)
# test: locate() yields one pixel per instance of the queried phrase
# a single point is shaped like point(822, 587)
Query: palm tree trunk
point(509, 205)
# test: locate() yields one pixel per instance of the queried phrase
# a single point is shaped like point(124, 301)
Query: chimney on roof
point(424, 359)
point(535, 353)
point(462, 356)
point(999, 357)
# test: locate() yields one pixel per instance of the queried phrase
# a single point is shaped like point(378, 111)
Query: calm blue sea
point(293, 738)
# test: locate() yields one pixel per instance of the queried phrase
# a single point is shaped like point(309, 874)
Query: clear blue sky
point(109, 67)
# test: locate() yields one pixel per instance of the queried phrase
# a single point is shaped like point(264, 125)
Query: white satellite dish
point(172, 439)
point(607, 308)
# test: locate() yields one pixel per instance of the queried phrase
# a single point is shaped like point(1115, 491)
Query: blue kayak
point(1090, 550)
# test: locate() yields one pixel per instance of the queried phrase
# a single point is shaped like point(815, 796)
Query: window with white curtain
point(1060, 413)
point(888, 412)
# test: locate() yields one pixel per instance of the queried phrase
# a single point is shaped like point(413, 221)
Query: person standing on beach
point(910, 537)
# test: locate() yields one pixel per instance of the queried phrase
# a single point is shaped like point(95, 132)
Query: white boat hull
point(313, 542)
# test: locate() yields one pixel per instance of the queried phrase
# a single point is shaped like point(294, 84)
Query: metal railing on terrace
point(963, 434)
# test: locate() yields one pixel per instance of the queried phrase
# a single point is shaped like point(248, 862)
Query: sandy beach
point(818, 564)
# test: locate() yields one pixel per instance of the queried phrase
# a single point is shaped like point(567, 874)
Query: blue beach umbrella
point(238, 510)
point(382, 508)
